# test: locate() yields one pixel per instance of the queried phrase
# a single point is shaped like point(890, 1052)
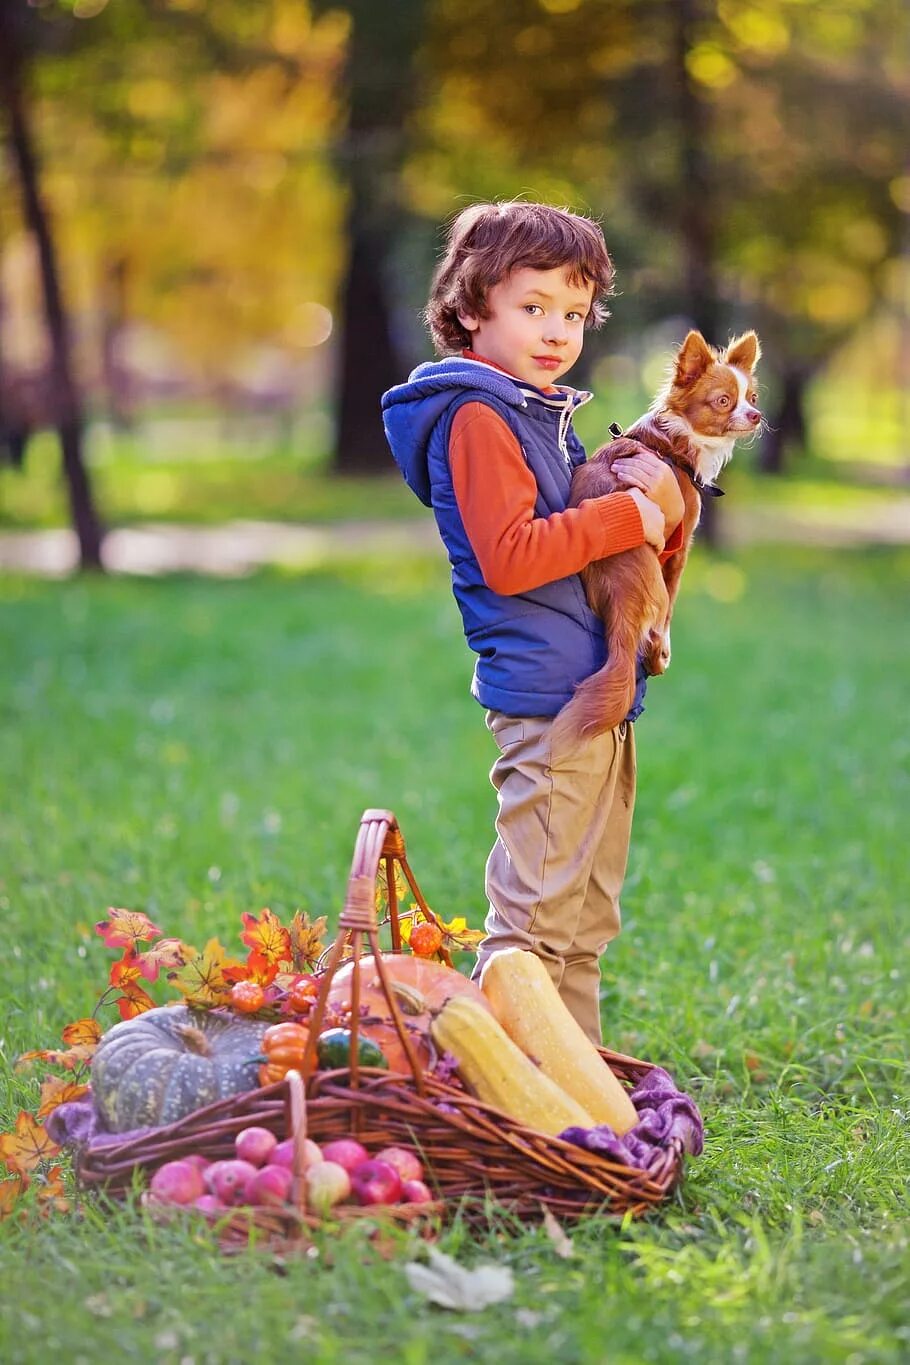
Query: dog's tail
point(603, 700)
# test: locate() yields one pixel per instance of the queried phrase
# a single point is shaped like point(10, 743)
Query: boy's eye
point(573, 317)
point(532, 308)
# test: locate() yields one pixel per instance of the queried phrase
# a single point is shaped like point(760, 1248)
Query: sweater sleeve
point(496, 494)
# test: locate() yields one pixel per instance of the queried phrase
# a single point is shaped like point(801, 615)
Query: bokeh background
point(219, 220)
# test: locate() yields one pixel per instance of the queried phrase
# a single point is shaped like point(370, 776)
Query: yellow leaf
point(201, 979)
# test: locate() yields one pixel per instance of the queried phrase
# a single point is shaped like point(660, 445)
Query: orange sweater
point(496, 494)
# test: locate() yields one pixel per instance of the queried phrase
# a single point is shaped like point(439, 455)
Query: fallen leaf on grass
point(29, 1144)
point(454, 1286)
point(562, 1244)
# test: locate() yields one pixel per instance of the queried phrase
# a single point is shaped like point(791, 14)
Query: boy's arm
point(496, 494)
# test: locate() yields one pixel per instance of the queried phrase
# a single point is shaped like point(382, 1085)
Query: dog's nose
point(754, 416)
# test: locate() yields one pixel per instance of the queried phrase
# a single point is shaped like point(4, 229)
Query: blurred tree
point(380, 91)
point(22, 35)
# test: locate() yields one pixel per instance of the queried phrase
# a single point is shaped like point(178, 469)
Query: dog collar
point(705, 490)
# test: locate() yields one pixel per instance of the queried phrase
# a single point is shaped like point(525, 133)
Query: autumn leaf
point(137, 1002)
point(307, 944)
point(10, 1190)
point(124, 976)
point(52, 1192)
point(69, 1058)
point(256, 968)
point(126, 928)
point(26, 1146)
point(82, 1032)
point(267, 936)
point(167, 953)
point(58, 1090)
point(456, 934)
point(201, 980)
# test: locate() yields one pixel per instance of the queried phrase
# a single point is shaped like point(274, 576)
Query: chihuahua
point(693, 424)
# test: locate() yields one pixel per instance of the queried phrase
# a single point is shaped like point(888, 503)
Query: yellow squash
point(527, 1004)
point(498, 1072)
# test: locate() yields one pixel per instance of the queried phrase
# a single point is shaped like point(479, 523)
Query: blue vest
point(532, 648)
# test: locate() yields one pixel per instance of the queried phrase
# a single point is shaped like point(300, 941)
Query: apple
point(255, 1145)
point(345, 1152)
point(177, 1182)
point(283, 1154)
point(405, 1162)
point(207, 1203)
point(376, 1182)
point(270, 1186)
point(229, 1180)
point(197, 1160)
point(327, 1183)
point(415, 1192)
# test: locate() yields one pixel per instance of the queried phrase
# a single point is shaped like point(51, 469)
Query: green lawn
point(195, 749)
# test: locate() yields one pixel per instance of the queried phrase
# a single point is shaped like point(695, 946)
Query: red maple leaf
point(26, 1146)
point(167, 953)
point(267, 936)
point(126, 928)
point(124, 975)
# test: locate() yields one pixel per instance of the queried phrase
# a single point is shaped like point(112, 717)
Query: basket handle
point(379, 838)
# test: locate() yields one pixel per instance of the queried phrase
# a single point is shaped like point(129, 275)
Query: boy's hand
point(652, 518)
point(653, 476)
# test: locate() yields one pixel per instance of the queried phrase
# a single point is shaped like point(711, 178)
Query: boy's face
point(535, 327)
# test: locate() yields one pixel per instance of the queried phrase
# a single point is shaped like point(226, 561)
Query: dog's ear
point(744, 352)
point(694, 357)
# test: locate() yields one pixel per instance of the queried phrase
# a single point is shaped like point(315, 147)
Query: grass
point(196, 749)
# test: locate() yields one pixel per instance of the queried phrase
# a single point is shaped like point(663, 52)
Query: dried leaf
point(454, 1286)
point(306, 940)
point(202, 979)
point(52, 1197)
point(69, 1058)
point(267, 936)
point(124, 976)
point(126, 928)
point(27, 1146)
point(10, 1190)
point(82, 1032)
point(167, 953)
point(57, 1090)
point(562, 1244)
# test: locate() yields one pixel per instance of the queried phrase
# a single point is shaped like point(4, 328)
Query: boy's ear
point(693, 358)
point(744, 352)
point(468, 321)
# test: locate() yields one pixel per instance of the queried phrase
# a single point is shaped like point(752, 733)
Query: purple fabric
point(664, 1114)
point(77, 1125)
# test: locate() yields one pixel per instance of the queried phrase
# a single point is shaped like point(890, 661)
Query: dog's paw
point(656, 654)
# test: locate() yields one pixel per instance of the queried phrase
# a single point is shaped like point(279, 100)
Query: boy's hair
point(486, 242)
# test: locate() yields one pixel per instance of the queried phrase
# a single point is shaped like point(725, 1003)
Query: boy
point(485, 437)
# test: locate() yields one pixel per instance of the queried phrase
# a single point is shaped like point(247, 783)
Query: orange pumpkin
point(425, 988)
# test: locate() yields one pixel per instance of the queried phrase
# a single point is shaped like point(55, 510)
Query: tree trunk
point(68, 416)
point(787, 427)
point(696, 204)
point(368, 361)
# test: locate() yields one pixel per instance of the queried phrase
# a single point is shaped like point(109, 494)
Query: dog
point(707, 404)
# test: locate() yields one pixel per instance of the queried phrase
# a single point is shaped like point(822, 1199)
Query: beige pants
point(557, 867)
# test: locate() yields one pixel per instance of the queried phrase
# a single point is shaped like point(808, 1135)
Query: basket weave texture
point(471, 1150)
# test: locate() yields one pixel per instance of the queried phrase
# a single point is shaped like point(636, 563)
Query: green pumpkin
point(165, 1063)
point(334, 1050)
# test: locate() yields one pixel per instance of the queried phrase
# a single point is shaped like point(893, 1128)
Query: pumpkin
point(424, 989)
point(165, 1063)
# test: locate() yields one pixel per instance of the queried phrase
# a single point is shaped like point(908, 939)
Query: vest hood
point(411, 410)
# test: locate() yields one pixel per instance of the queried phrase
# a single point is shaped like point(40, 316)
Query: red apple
point(229, 1180)
point(270, 1186)
point(327, 1184)
point(404, 1161)
point(415, 1192)
point(376, 1182)
point(177, 1182)
point(345, 1152)
point(207, 1203)
point(255, 1145)
point(283, 1154)
point(197, 1160)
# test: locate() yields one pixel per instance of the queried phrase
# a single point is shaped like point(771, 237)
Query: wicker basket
point(471, 1150)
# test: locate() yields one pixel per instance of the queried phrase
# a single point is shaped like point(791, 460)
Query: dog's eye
point(752, 397)
point(723, 401)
